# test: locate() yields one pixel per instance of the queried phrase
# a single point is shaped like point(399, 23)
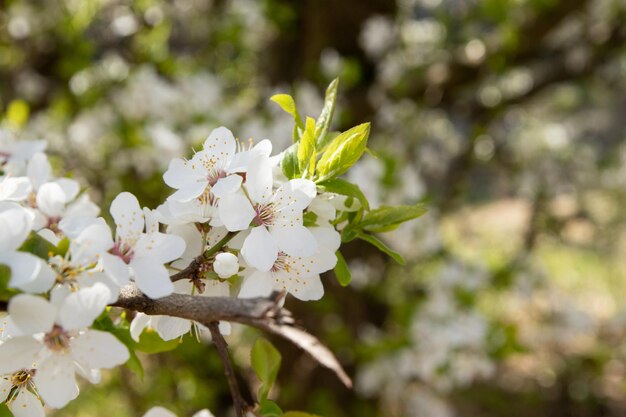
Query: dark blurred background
point(505, 116)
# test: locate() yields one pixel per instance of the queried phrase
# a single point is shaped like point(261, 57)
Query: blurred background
point(505, 116)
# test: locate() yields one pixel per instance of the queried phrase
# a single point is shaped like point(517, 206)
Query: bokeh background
point(505, 116)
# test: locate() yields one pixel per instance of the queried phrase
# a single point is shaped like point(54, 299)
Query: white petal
point(259, 180)
point(236, 212)
point(327, 237)
point(43, 281)
point(140, 322)
point(220, 144)
point(24, 267)
point(15, 188)
point(192, 237)
point(51, 199)
point(203, 413)
point(308, 289)
point(82, 307)
point(150, 216)
point(90, 278)
point(26, 404)
point(70, 188)
point(128, 217)
point(227, 185)
point(179, 173)
point(5, 387)
point(32, 314)
point(56, 381)
point(94, 240)
point(170, 328)
point(259, 249)
point(241, 160)
point(115, 268)
point(82, 207)
point(151, 278)
point(159, 247)
point(258, 284)
point(96, 349)
point(294, 196)
point(38, 169)
point(16, 222)
point(294, 240)
point(159, 412)
point(18, 353)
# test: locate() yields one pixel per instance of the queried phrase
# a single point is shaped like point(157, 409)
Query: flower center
point(22, 377)
point(65, 271)
point(264, 214)
point(281, 263)
point(215, 175)
point(57, 339)
point(123, 251)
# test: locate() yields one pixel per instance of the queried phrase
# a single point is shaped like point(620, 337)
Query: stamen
point(264, 214)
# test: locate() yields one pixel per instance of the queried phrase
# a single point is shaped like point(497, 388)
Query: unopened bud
point(226, 265)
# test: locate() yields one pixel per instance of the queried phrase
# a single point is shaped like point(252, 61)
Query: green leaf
point(269, 408)
point(5, 277)
point(38, 246)
point(382, 247)
point(388, 218)
point(265, 361)
point(343, 187)
point(309, 219)
point(306, 149)
point(343, 152)
point(63, 246)
point(324, 141)
point(287, 103)
point(151, 342)
point(342, 272)
point(326, 116)
point(298, 414)
point(289, 164)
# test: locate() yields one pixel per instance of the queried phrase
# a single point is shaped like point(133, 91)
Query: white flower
point(14, 188)
point(137, 254)
point(14, 154)
point(164, 412)
point(28, 272)
point(278, 216)
point(211, 169)
point(298, 276)
point(226, 265)
point(61, 346)
point(17, 391)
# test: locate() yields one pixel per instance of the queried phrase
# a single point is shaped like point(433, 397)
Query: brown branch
point(222, 348)
point(262, 313)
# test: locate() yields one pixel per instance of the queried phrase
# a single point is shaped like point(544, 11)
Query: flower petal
point(128, 217)
point(96, 349)
point(82, 307)
point(25, 404)
point(241, 160)
point(227, 185)
point(51, 199)
point(24, 267)
point(259, 180)
point(116, 269)
point(236, 212)
point(15, 188)
point(140, 322)
point(258, 284)
point(159, 412)
point(170, 328)
point(220, 145)
point(56, 381)
point(19, 353)
point(32, 314)
point(38, 169)
point(159, 247)
point(259, 249)
point(151, 278)
point(294, 240)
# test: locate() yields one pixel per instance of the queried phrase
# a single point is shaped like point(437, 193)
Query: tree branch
point(222, 348)
point(262, 313)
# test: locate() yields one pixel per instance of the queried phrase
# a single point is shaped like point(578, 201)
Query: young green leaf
point(269, 408)
point(324, 141)
point(343, 187)
point(388, 218)
point(289, 163)
point(287, 103)
point(307, 149)
point(38, 246)
point(265, 361)
point(382, 247)
point(342, 272)
point(5, 277)
point(323, 122)
point(343, 152)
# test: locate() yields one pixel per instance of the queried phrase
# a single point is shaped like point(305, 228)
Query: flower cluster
point(239, 223)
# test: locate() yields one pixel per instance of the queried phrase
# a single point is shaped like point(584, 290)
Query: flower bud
point(226, 265)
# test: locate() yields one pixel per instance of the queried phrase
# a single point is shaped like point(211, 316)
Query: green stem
point(215, 248)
